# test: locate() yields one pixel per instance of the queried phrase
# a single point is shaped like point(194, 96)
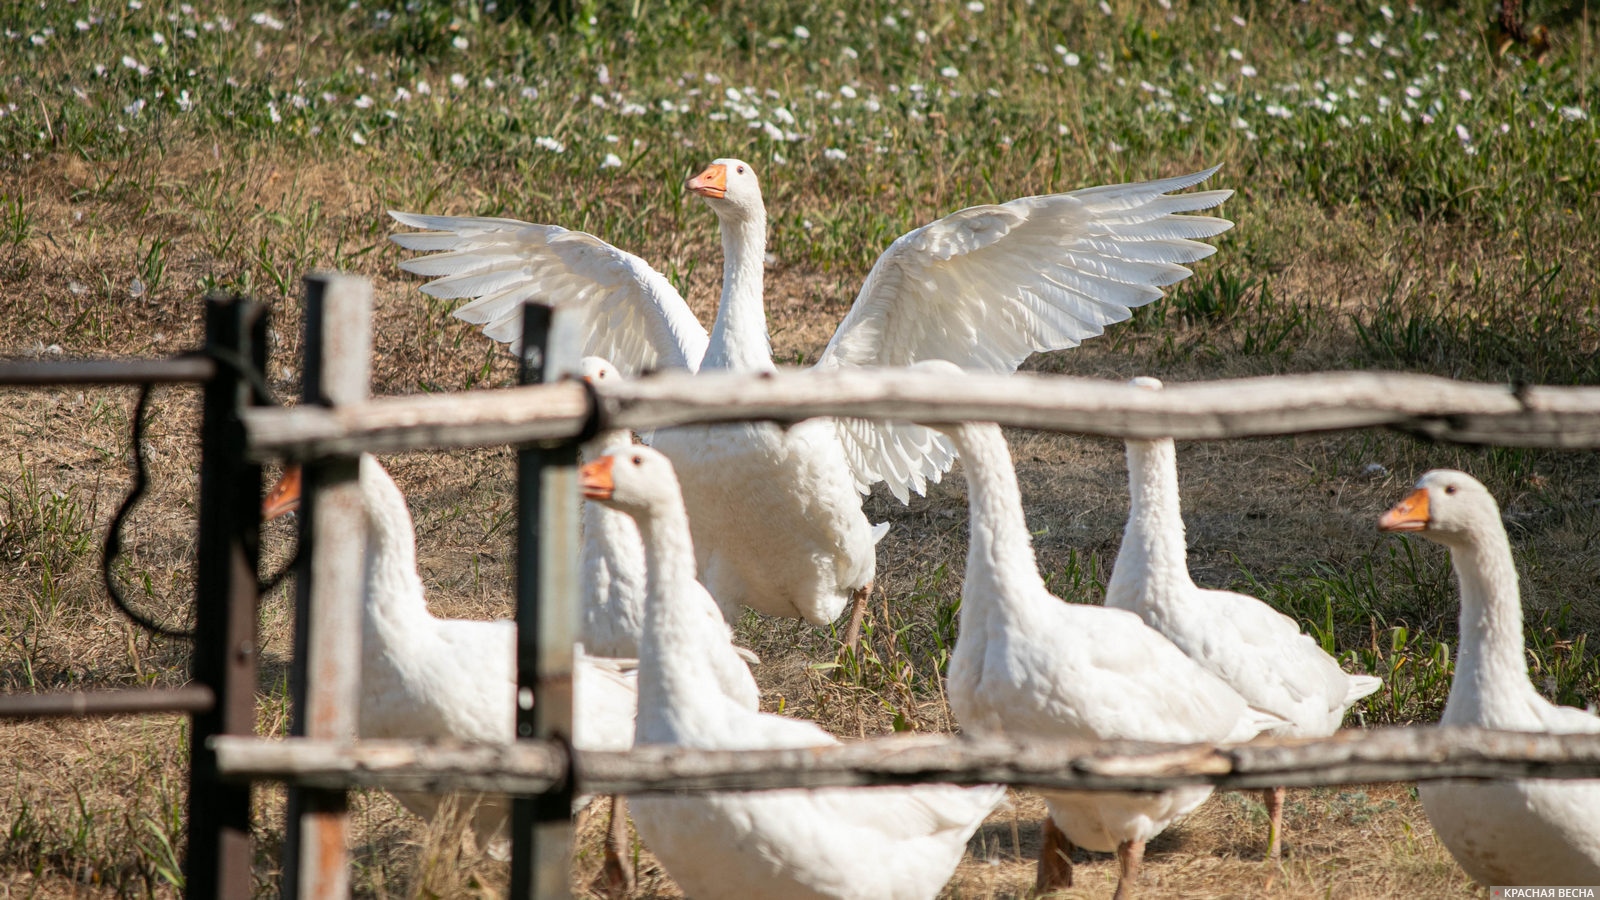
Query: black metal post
point(541, 827)
point(219, 855)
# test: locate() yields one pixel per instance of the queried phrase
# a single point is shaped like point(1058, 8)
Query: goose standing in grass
point(889, 843)
point(426, 677)
point(776, 512)
point(1028, 664)
point(1513, 831)
point(1258, 651)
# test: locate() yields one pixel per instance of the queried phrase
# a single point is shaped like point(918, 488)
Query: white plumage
point(1516, 831)
point(867, 843)
point(427, 677)
point(1027, 664)
point(1258, 651)
point(776, 517)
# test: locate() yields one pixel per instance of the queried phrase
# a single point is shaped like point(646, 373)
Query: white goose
point(777, 520)
point(1258, 651)
point(868, 843)
point(1027, 664)
point(426, 677)
point(1517, 831)
point(612, 559)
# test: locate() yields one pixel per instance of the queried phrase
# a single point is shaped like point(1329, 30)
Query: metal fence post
point(217, 864)
point(547, 591)
point(333, 535)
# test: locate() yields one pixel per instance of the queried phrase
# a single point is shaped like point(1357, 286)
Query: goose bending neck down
point(1258, 651)
point(776, 513)
point(1513, 831)
point(895, 843)
point(1027, 664)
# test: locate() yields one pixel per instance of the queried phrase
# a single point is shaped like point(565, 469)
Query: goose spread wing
point(632, 315)
point(987, 286)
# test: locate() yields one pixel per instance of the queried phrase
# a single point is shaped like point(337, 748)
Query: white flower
point(272, 113)
point(1214, 98)
point(1343, 38)
point(530, 93)
point(158, 38)
point(1387, 12)
point(973, 6)
point(1413, 91)
point(1430, 35)
point(848, 53)
point(950, 72)
point(81, 25)
point(1247, 71)
point(1464, 94)
point(612, 161)
point(778, 159)
point(1376, 39)
point(847, 92)
point(597, 100)
point(921, 36)
point(783, 115)
point(185, 102)
point(1105, 8)
point(551, 144)
point(1235, 54)
point(1278, 112)
point(1062, 129)
point(890, 21)
point(357, 137)
point(602, 75)
point(263, 19)
point(1463, 134)
point(459, 42)
point(458, 81)
point(1239, 123)
point(1072, 60)
point(424, 88)
point(134, 108)
point(772, 131)
point(362, 102)
point(833, 153)
point(1239, 21)
point(802, 33)
point(1573, 113)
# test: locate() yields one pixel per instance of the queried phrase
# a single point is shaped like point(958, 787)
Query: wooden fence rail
point(534, 767)
point(1426, 405)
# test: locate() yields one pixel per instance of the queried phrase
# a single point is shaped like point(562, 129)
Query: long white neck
point(1153, 553)
point(394, 595)
point(1491, 677)
point(1001, 570)
point(739, 337)
point(673, 675)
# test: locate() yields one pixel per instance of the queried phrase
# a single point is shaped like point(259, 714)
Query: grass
point(1407, 199)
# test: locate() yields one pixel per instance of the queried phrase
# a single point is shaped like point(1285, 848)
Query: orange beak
point(596, 479)
point(284, 496)
point(1410, 514)
point(713, 182)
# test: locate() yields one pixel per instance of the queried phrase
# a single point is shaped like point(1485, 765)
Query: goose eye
point(1449, 489)
point(638, 460)
point(740, 169)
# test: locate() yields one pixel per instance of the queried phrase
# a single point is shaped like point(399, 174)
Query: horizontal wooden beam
point(1434, 407)
point(40, 373)
point(189, 699)
point(531, 767)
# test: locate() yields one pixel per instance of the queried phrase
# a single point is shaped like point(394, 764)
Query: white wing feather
point(987, 286)
point(633, 316)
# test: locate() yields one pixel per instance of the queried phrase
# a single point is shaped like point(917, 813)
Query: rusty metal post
point(333, 537)
point(217, 864)
point(547, 606)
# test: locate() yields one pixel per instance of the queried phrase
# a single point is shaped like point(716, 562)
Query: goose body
point(1513, 831)
point(1027, 664)
point(897, 843)
point(1258, 651)
point(427, 677)
point(611, 559)
point(775, 513)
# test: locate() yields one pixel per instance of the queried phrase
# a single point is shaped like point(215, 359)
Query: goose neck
point(672, 671)
point(1153, 542)
point(1000, 560)
point(1492, 662)
point(394, 592)
point(739, 338)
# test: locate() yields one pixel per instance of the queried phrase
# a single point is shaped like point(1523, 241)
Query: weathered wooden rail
point(337, 420)
point(1418, 753)
point(1426, 405)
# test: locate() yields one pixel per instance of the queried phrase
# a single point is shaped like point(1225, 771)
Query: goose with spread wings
point(776, 512)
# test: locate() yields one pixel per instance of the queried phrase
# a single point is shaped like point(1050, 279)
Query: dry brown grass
point(77, 795)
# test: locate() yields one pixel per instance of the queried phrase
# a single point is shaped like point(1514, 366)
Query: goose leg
point(1055, 860)
point(616, 874)
point(1129, 855)
point(858, 613)
point(1273, 798)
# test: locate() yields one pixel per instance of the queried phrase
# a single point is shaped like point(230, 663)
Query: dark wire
point(113, 543)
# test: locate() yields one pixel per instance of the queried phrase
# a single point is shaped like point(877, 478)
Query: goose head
point(637, 480)
point(284, 497)
point(730, 188)
point(1447, 507)
point(595, 369)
